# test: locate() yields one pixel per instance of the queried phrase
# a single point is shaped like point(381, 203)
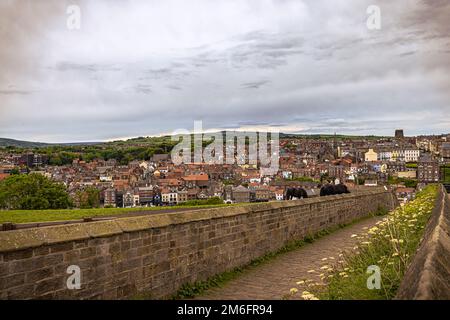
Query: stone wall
point(158, 253)
point(428, 276)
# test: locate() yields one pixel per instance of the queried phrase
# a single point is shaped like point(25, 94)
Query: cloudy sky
point(146, 67)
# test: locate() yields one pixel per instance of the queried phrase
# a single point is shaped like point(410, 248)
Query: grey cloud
point(14, 92)
point(323, 72)
point(174, 72)
point(174, 87)
point(254, 85)
point(263, 50)
point(409, 53)
point(252, 123)
point(142, 88)
point(69, 66)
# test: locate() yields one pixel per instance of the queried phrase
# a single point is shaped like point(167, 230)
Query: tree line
point(122, 151)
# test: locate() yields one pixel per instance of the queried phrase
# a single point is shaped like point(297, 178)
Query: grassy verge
point(390, 246)
point(446, 174)
point(29, 216)
point(192, 290)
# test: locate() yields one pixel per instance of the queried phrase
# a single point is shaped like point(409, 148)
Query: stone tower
point(399, 134)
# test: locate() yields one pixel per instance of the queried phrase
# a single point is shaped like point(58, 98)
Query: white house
point(170, 197)
point(287, 174)
point(371, 183)
point(279, 194)
point(136, 199)
point(144, 165)
point(385, 156)
point(255, 180)
point(412, 155)
point(398, 155)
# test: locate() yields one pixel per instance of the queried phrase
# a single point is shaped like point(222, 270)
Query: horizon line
point(214, 131)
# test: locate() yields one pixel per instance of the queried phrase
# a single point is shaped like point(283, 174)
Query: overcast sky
point(149, 67)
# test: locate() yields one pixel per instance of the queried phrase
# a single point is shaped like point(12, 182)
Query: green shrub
point(210, 201)
point(32, 192)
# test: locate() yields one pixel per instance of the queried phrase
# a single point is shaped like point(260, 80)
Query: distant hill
point(329, 136)
point(5, 142)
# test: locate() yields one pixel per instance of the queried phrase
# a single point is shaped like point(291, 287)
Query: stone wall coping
point(21, 239)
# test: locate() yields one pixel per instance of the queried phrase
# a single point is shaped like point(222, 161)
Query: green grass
point(391, 246)
point(446, 173)
point(29, 216)
point(191, 290)
point(409, 183)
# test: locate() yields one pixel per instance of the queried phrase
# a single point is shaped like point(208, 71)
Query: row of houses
point(401, 155)
point(148, 196)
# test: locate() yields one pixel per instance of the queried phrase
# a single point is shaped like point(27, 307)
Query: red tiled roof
point(196, 177)
point(171, 182)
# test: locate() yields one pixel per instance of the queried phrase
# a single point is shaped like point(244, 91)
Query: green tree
point(32, 192)
point(15, 171)
point(88, 198)
point(324, 177)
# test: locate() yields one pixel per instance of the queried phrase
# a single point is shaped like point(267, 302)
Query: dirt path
point(273, 280)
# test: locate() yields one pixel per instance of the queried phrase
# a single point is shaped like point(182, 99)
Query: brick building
point(428, 170)
point(109, 196)
point(445, 152)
